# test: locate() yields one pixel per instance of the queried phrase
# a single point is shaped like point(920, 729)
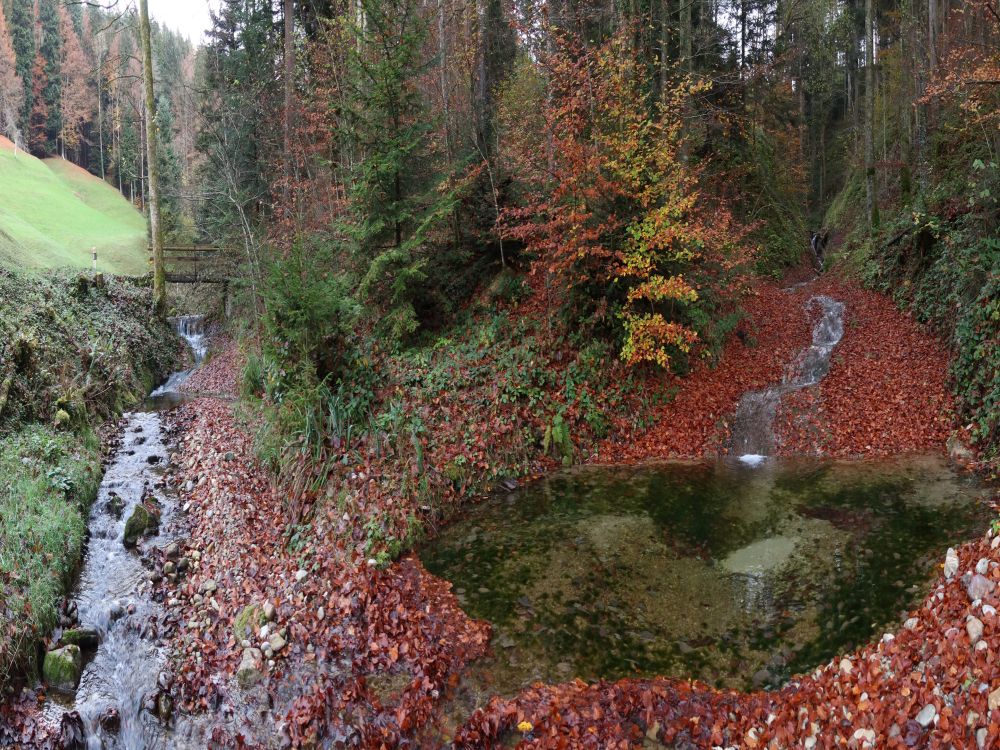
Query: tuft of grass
point(53, 213)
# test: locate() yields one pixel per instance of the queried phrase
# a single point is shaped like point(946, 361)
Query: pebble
point(209, 586)
point(950, 563)
point(269, 611)
point(865, 735)
point(927, 714)
point(265, 631)
point(988, 609)
point(846, 666)
point(276, 642)
point(299, 575)
point(974, 627)
point(911, 624)
point(994, 700)
point(983, 566)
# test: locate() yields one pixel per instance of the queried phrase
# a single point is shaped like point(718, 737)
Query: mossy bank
point(75, 351)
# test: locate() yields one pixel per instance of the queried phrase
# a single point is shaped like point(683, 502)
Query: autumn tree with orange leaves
point(613, 215)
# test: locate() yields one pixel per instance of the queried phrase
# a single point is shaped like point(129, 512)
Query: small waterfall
point(753, 428)
point(191, 328)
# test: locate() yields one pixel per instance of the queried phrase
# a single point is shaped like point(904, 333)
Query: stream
point(121, 693)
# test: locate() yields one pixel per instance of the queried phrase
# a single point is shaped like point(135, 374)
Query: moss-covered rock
point(62, 666)
point(248, 622)
point(142, 522)
point(85, 638)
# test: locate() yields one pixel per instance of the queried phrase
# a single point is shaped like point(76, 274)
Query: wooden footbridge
point(197, 264)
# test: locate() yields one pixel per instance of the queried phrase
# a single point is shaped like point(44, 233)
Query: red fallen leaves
point(345, 620)
point(223, 375)
point(886, 392)
point(694, 423)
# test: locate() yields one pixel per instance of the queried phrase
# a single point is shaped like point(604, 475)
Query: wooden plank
point(184, 278)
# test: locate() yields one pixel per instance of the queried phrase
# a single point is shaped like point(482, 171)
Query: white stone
point(974, 627)
point(927, 715)
point(983, 566)
point(911, 624)
point(846, 666)
point(299, 575)
point(989, 609)
point(950, 563)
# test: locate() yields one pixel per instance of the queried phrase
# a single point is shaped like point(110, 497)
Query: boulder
point(62, 666)
point(142, 522)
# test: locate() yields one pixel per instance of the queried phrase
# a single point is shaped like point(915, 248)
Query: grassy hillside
point(52, 213)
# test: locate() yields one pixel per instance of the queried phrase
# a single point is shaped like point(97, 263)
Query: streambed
point(735, 575)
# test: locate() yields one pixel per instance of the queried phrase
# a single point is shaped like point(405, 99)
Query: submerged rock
point(62, 666)
point(72, 733)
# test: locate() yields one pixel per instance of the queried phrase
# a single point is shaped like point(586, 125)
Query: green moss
point(61, 668)
point(248, 622)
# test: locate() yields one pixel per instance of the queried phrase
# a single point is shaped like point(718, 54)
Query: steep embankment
point(72, 354)
point(53, 214)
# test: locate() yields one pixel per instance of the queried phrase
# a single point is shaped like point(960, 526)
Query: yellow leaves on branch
point(649, 338)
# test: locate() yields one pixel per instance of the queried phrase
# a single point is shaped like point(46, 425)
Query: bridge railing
point(196, 264)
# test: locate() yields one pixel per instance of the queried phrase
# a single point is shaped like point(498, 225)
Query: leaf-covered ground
point(369, 655)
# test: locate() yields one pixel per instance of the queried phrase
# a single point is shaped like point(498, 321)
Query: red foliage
point(886, 392)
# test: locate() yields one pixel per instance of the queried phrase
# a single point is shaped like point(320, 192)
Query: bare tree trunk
point(932, 14)
point(152, 148)
point(289, 73)
point(685, 35)
point(870, 197)
point(100, 116)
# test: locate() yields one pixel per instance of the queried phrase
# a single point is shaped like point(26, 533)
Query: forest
point(565, 373)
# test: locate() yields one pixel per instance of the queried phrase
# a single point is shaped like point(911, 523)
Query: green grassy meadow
point(53, 213)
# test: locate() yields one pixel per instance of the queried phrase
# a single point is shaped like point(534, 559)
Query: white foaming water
point(753, 427)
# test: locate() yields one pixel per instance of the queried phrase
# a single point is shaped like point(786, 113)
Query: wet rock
point(153, 459)
point(950, 563)
point(115, 505)
point(61, 667)
point(72, 733)
point(247, 674)
point(172, 551)
point(927, 715)
point(164, 707)
point(169, 568)
point(142, 522)
point(979, 587)
point(116, 610)
point(183, 564)
point(110, 720)
point(85, 638)
point(974, 627)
